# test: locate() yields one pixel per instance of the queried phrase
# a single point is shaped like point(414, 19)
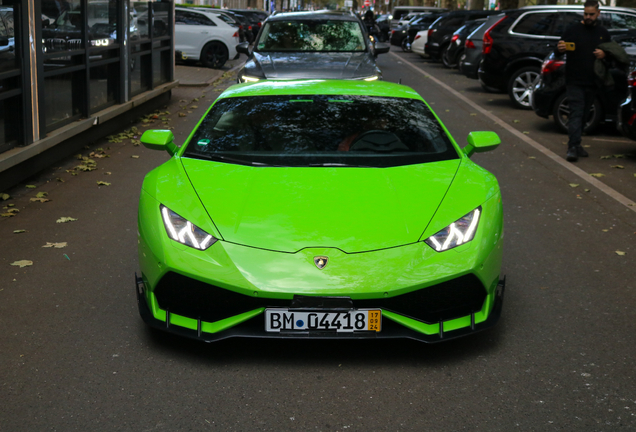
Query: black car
point(384, 24)
point(441, 31)
point(422, 22)
point(455, 49)
point(549, 98)
point(515, 47)
point(399, 34)
point(469, 60)
point(253, 20)
point(307, 45)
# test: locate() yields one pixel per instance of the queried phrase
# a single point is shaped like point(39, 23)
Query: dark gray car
point(469, 60)
point(307, 45)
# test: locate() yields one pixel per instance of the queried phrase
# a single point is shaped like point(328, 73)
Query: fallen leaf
point(606, 157)
point(574, 185)
point(618, 166)
point(42, 200)
point(587, 190)
point(182, 114)
point(526, 132)
point(605, 230)
point(135, 156)
point(516, 121)
point(7, 214)
point(103, 183)
point(621, 253)
point(65, 219)
point(22, 263)
point(447, 110)
point(55, 245)
point(41, 194)
point(5, 196)
point(473, 114)
point(18, 231)
point(30, 186)
point(619, 156)
point(13, 210)
point(108, 173)
point(597, 175)
point(531, 157)
point(587, 145)
point(196, 106)
point(60, 180)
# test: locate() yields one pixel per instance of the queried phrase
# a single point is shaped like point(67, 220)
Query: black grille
point(189, 297)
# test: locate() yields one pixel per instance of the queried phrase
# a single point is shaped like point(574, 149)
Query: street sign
point(367, 3)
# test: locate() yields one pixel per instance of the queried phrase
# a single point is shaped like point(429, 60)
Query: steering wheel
point(378, 141)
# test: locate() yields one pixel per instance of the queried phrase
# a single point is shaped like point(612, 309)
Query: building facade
point(67, 65)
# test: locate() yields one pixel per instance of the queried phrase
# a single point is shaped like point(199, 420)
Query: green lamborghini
point(320, 209)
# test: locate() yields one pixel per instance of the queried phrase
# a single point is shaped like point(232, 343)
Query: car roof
point(321, 87)
point(316, 15)
point(574, 7)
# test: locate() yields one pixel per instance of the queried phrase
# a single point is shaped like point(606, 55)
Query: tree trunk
point(626, 3)
point(508, 4)
point(475, 5)
point(430, 3)
point(449, 4)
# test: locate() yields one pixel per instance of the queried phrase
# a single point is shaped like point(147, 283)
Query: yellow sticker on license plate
point(359, 320)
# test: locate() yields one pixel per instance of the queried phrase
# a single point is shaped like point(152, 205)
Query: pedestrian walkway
point(199, 76)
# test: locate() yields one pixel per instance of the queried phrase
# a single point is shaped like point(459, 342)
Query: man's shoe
point(581, 152)
point(573, 155)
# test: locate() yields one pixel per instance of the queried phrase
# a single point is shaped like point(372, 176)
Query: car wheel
point(561, 112)
point(448, 60)
point(214, 55)
point(406, 46)
point(521, 86)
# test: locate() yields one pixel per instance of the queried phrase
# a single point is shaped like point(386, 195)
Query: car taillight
point(250, 28)
point(454, 38)
point(488, 39)
point(259, 24)
point(417, 37)
point(392, 32)
point(430, 32)
point(550, 65)
point(469, 44)
point(631, 79)
point(235, 34)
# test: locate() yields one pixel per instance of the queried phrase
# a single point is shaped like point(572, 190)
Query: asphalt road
point(76, 356)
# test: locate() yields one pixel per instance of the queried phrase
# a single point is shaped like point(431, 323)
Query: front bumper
point(252, 323)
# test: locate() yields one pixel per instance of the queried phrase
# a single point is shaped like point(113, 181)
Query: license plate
point(358, 320)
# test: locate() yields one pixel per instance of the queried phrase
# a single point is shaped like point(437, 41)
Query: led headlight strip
point(185, 232)
point(456, 234)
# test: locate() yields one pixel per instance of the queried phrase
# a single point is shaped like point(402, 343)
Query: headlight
point(184, 232)
point(247, 78)
point(372, 78)
point(456, 234)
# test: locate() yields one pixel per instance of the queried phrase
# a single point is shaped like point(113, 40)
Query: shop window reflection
point(7, 40)
point(103, 86)
point(61, 25)
point(62, 104)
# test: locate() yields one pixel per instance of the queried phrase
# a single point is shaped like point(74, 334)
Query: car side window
point(566, 19)
point(619, 21)
point(539, 24)
point(192, 18)
point(454, 22)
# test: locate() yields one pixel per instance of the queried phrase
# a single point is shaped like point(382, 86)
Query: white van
point(400, 12)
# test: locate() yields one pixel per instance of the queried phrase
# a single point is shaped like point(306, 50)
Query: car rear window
point(321, 131)
point(311, 35)
point(540, 24)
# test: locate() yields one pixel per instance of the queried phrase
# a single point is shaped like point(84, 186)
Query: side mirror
point(479, 142)
point(159, 140)
point(243, 48)
point(382, 48)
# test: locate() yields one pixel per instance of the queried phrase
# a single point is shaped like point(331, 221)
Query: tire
point(561, 110)
point(214, 55)
point(447, 61)
point(521, 85)
point(406, 46)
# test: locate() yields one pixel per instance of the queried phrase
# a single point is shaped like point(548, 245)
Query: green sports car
point(320, 209)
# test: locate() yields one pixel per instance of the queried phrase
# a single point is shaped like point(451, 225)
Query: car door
point(192, 31)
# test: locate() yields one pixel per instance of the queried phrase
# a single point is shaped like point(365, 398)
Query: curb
point(213, 79)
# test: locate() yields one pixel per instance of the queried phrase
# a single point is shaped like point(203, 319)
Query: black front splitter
point(255, 327)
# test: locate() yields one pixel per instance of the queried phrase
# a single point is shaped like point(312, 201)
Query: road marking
point(608, 140)
point(622, 199)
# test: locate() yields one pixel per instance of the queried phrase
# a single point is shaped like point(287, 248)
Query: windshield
point(320, 131)
point(310, 35)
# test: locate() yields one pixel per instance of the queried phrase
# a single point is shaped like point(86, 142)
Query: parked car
point(254, 20)
point(400, 11)
point(398, 35)
point(419, 23)
point(455, 49)
point(514, 48)
point(202, 35)
point(469, 60)
point(441, 31)
point(230, 19)
point(419, 43)
point(312, 45)
point(384, 24)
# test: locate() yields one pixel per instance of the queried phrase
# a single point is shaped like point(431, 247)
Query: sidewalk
point(199, 76)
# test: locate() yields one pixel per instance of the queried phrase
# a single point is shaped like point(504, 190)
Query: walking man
point(580, 41)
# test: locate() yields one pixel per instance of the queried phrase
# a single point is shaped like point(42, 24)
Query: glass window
point(566, 19)
point(453, 22)
point(103, 85)
point(8, 60)
point(619, 21)
point(539, 24)
point(316, 130)
point(62, 22)
point(325, 36)
point(63, 97)
point(192, 18)
point(139, 22)
point(102, 22)
point(161, 22)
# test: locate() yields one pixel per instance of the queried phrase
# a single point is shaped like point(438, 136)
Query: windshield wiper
point(335, 164)
point(219, 158)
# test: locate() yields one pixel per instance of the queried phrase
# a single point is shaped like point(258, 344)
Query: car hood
point(285, 65)
point(289, 209)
